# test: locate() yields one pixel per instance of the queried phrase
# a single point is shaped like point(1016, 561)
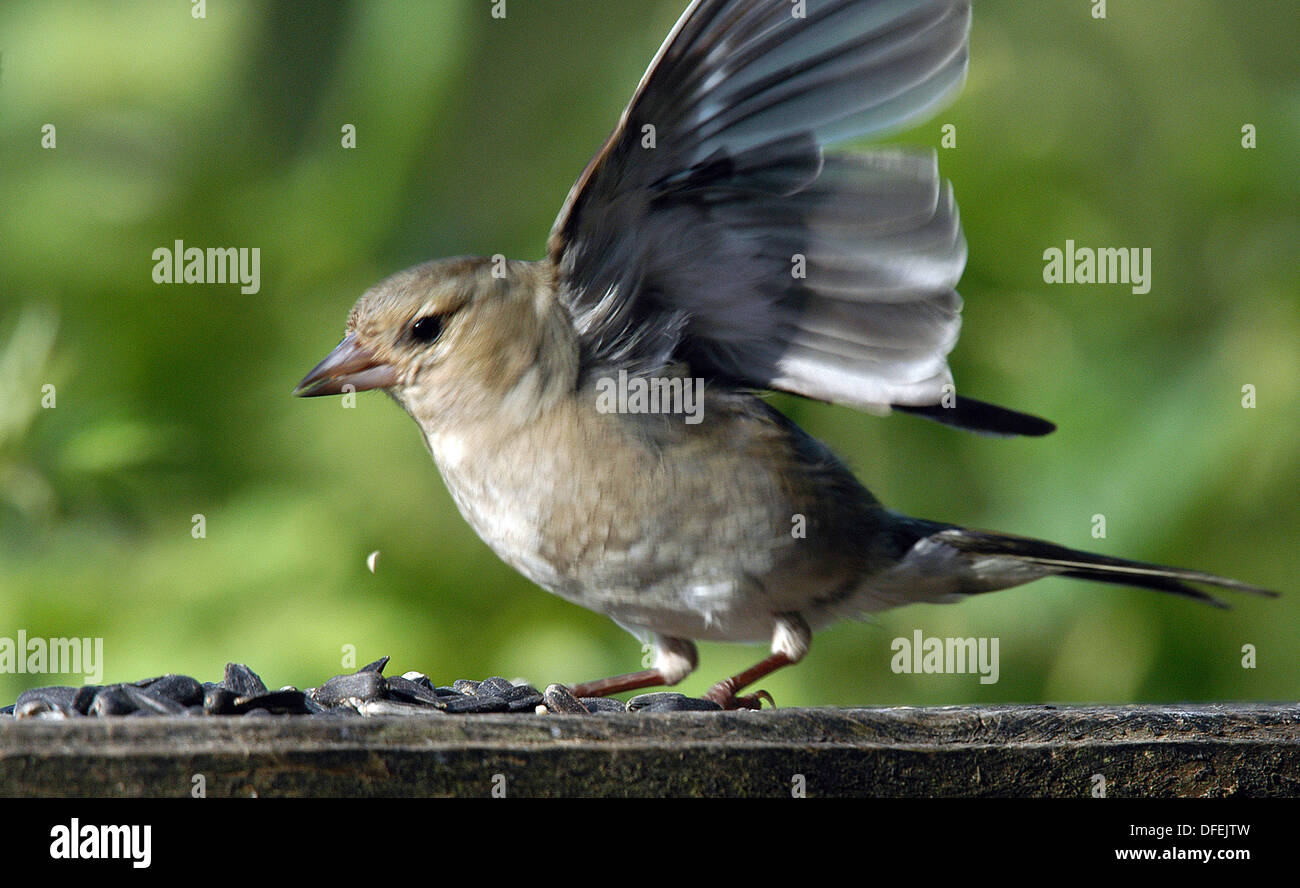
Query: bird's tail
point(997, 561)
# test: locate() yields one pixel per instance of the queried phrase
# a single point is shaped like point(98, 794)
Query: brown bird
point(595, 414)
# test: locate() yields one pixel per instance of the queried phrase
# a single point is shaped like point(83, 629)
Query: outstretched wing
point(711, 229)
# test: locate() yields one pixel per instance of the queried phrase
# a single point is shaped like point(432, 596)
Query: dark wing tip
point(987, 419)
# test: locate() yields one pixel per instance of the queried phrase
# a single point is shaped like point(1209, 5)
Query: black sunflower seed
point(179, 688)
point(476, 705)
point(113, 700)
point(377, 666)
point(362, 685)
point(242, 680)
point(406, 691)
point(666, 701)
point(560, 700)
point(603, 704)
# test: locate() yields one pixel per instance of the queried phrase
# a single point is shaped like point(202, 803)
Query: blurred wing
point(711, 229)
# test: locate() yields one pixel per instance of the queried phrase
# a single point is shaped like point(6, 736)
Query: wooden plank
point(1164, 751)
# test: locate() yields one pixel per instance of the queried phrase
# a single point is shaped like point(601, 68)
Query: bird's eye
point(427, 328)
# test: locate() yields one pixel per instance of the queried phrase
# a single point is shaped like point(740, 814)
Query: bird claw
point(724, 694)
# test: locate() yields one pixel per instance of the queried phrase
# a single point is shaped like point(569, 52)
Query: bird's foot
point(724, 694)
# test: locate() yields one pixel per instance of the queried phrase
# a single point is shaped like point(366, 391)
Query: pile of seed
point(367, 692)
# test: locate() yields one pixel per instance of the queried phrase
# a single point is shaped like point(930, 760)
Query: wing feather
point(711, 229)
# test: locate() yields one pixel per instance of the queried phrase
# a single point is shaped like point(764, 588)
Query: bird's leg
point(724, 692)
point(617, 684)
point(675, 658)
point(791, 638)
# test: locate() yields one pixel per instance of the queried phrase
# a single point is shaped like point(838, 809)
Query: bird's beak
point(348, 364)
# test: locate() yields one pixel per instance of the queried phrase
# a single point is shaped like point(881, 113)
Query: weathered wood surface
point(1190, 750)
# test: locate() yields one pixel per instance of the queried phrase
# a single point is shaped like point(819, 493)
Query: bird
point(600, 416)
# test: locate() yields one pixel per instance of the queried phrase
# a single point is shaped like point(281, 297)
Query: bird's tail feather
point(979, 416)
point(1062, 561)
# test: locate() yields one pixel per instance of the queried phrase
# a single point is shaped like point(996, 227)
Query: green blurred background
point(174, 400)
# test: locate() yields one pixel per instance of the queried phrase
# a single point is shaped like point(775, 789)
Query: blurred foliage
point(173, 401)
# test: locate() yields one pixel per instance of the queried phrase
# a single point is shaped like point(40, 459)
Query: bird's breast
point(504, 507)
point(687, 534)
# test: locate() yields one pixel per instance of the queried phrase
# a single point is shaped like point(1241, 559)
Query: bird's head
point(457, 341)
